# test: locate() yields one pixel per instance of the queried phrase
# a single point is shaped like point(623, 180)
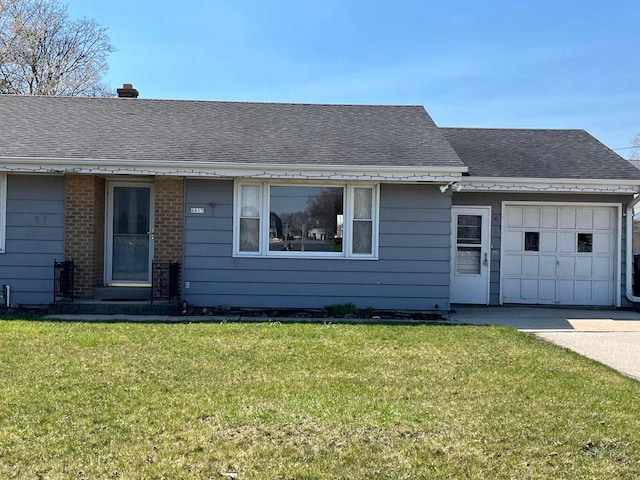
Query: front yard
point(275, 401)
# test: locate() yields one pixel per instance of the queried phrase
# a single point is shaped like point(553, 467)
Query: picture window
point(307, 220)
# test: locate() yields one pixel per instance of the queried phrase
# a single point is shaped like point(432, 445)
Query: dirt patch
point(267, 313)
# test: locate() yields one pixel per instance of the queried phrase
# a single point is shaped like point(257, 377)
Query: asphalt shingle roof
point(228, 132)
point(529, 153)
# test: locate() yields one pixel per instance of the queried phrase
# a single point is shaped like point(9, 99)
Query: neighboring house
point(636, 222)
point(301, 206)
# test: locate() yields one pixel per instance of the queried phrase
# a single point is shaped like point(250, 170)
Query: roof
point(532, 153)
point(226, 132)
point(635, 163)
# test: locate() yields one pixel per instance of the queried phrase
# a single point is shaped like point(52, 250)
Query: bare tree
point(635, 152)
point(42, 52)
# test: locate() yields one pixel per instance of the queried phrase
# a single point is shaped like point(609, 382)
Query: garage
point(560, 254)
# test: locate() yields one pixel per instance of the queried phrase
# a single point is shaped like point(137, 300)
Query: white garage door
point(559, 254)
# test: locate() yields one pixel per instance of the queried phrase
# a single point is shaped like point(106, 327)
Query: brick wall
point(84, 230)
point(169, 217)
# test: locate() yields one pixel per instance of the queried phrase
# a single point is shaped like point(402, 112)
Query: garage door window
point(585, 242)
point(532, 241)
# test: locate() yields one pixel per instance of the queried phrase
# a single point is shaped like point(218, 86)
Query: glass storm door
point(129, 233)
point(470, 266)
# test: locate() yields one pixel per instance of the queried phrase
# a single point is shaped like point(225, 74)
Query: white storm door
point(470, 256)
point(129, 248)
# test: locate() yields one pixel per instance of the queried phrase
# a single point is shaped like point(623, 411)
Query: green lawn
point(291, 401)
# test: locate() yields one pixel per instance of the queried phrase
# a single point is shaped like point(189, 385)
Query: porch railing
point(165, 281)
point(63, 281)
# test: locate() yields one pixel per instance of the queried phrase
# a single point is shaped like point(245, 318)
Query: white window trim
point(3, 211)
point(347, 251)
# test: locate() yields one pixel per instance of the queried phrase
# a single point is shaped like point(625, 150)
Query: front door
point(470, 255)
point(129, 233)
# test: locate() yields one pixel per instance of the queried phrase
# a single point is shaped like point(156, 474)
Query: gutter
point(629, 252)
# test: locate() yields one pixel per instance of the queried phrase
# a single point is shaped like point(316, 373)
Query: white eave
point(551, 185)
point(233, 170)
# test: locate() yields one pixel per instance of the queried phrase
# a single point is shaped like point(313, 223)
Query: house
point(301, 206)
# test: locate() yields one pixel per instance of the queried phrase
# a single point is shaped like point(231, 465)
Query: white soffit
point(234, 170)
point(563, 185)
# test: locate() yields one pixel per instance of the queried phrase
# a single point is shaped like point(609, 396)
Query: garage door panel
point(584, 267)
point(583, 291)
point(515, 217)
point(548, 241)
point(567, 242)
point(547, 290)
point(565, 293)
point(566, 266)
point(515, 241)
point(549, 217)
point(512, 289)
point(548, 265)
point(602, 243)
point(603, 219)
point(574, 262)
point(513, 265)
point(532, 217)
point(602, 267)
point(602, 291)
point(567, 217)
point(529, 288)
point(530, 266)
point(584, 218)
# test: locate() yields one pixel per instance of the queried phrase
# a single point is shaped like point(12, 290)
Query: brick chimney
point(127, 91)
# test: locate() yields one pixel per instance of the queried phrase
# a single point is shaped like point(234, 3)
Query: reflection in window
point(532, 241)
point(468, 261)
point(250, 197)
point(585, 242)
point(469, 229)
point(306, 219)
point(362, 220)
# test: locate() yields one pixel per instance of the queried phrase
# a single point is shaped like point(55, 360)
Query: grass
point(272, 401)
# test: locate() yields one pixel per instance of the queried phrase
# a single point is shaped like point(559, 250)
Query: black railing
point(165, 281)
point(63, 281)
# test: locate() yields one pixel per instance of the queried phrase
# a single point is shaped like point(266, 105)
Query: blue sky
point(491, 63)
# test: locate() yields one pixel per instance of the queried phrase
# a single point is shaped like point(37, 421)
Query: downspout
point(629, 252)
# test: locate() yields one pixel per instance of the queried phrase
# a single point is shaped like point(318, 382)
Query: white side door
point(470, 254)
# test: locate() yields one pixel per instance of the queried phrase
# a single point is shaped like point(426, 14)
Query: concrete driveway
point(611, 337)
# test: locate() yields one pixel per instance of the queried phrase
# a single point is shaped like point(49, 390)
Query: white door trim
point(617, 240)
point(485, 245)
point(108, 250)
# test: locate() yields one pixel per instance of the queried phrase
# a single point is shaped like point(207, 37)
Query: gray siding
point(412, 271)
point(35, 237)
point(495, 201)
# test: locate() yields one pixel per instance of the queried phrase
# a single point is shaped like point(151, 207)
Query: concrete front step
point(122, 293)
point(95, 307)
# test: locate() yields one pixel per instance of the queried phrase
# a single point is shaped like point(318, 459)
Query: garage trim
point(617, 239)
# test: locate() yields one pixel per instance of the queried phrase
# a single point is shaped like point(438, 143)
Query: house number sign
point(198, 210)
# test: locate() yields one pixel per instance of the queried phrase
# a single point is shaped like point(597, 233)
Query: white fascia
point(233, 170)
point(549, 185)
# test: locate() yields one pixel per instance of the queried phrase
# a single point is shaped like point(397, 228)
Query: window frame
point(3, 212)
point(348, 212)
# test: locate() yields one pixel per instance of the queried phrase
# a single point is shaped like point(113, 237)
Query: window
point(585, 242)
point(468, 240)
point(532, 241)
point(3, 210)
point(305, 220)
